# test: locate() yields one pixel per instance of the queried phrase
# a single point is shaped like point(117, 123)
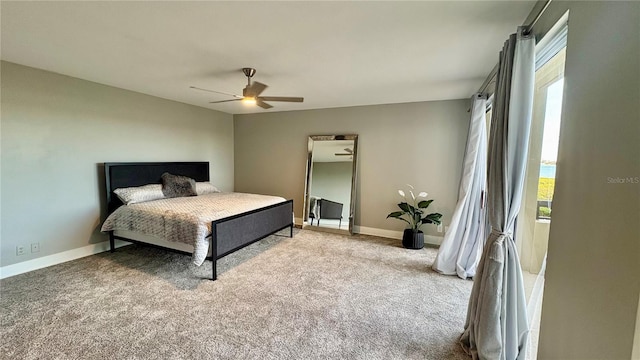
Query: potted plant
point(413, 214)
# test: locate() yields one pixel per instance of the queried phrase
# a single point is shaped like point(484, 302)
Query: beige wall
point(416, 143)
point(57, 129)
point(635, 354)
point(593, 270)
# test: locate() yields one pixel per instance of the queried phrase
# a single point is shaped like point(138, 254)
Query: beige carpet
point(315, 296)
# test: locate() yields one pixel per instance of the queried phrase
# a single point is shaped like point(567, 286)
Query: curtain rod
point(491, 78)
point(538, 16)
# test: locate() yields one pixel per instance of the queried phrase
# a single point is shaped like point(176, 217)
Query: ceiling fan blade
point(223, 101)
point(217, 92)
point(263, 104)
point(282, 98)
point(255, 89)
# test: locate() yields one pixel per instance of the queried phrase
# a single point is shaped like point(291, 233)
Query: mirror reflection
point(330, 183)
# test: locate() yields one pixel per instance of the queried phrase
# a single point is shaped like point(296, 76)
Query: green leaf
point(405, 207)
point(395, 214)
point(433, 218)
point(412, 210)
point(424, 204)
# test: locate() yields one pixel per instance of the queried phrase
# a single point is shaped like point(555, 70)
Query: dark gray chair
point(330, 210)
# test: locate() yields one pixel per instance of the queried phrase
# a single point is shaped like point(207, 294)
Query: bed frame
point(227, 235)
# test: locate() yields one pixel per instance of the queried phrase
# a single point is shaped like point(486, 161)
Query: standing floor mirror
point(330, 188)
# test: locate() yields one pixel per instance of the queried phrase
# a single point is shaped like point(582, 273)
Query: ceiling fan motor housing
point(249, 72)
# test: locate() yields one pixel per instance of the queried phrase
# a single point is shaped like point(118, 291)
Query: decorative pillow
point(203, 188)
point(178, 186)
point(138, 194)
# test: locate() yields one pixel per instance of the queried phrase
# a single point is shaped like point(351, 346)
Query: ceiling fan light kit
point(251, 93)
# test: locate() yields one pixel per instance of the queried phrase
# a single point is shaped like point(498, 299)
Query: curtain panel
point(496, 325)
point(461, 248)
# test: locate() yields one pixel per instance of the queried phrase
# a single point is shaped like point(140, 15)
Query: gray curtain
point(496, 326)
point(459, 253)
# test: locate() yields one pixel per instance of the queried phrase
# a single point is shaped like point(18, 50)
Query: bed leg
point(112, 242)
point(214, 253)
point(291, 231)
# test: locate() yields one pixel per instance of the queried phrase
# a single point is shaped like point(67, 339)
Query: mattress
point(185, 219)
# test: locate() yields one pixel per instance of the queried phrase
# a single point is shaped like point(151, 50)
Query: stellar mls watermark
point(623, 180)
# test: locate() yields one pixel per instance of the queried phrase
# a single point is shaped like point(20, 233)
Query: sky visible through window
point(551, 135)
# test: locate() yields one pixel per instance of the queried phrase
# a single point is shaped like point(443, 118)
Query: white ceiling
point(333, 54)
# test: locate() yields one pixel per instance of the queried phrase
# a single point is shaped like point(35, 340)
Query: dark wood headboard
point(120, 175)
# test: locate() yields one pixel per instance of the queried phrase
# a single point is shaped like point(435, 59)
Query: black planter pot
point(412, 239)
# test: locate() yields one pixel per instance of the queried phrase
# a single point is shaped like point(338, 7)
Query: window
point(549, 88)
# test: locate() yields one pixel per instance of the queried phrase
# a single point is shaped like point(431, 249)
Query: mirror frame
point(354, 176)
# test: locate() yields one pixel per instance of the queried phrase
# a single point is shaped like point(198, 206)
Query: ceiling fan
point(348, 152)
point(251, 93)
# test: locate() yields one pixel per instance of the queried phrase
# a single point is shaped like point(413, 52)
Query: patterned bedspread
point(185, 219)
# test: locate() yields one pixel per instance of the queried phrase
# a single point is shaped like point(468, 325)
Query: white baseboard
point(62, 257)
point(392, 234)
point(59, 258)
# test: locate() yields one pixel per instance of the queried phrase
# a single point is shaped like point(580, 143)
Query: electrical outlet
point(35, 247)
point(20, 250)
point(439, 228)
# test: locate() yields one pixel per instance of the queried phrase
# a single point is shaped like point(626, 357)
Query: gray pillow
point(178, 186)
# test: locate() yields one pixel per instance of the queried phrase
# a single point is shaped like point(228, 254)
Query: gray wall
point(332, 181)
point(592, 279)
point(57, 129)
point(415, 143)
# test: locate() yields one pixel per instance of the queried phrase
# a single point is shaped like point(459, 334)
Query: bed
point(232, 227)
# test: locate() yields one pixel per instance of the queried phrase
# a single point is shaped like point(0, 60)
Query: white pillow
point(138, 194)
point(203, 188)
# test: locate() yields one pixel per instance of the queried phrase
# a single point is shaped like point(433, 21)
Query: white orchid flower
point(423, 194)
point(401, 193)
point(412, 196)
